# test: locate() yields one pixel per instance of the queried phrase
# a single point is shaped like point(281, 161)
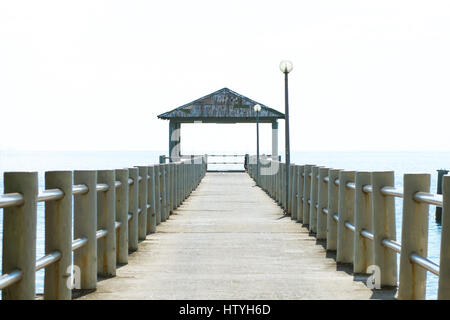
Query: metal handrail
point(424, 263)
point(392, 191)
point(349, 226)
point(430, 198)
point(102, 187)
point(47, 260)
point(79, 189)
point(78, 243)
point(351, 185)
point(50, 195)
point(392, 244)
point(101, 233)
point(366, 234)
point(10, 278)
point(11, 200)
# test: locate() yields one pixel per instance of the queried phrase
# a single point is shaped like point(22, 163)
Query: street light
point(286, 67)
point(257, 109)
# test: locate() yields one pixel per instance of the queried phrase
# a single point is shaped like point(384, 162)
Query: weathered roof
point(222, 106)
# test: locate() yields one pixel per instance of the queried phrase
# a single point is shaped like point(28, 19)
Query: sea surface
point(399, 162)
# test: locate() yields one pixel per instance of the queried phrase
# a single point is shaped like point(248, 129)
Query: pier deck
point(229, 240)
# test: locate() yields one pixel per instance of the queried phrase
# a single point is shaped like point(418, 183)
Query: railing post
point(322, 200)
point(85, 226)
point(306, 194)
point(412, 284)
point(58, 235)
point(151, 218)
point(122, 216)
point(444, 265)
point(19, 235)
point(142, 224)
point(157, 194)
point(333, 207)
point(133, 202)
point(289, 189)
point(300, 192)
point(383, 224)
point(167, 181)
point(363, 221)
point(162, 183)
point(313, 196)
point(293, 192)
point(106, 219)
point(346, 213)
point(178, 188)
point(172, 187)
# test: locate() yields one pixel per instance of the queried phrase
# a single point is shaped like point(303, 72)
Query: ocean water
point(399, 162)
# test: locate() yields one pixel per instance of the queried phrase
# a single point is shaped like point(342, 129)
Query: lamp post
point(286, 67)
point(257, 109)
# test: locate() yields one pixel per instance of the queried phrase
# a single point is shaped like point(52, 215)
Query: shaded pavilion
point(221, 106)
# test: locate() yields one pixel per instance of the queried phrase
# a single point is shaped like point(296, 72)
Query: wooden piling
point(19, 235)
point(58, 235)
point(412, 284)
point(85, 226)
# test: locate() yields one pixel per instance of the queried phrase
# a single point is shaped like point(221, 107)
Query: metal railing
point(355, 214)
point(108, 207)
point(164, 158)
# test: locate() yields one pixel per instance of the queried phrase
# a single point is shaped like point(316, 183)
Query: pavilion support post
point(174, 140)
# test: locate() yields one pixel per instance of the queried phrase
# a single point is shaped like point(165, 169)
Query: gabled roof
point(222, 106)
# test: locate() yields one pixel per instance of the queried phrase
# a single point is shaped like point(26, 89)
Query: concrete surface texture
point(229, 240)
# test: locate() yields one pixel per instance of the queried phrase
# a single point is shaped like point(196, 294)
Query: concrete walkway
point(229, 241)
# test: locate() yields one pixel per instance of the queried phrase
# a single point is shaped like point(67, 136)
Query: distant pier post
point(441, 173)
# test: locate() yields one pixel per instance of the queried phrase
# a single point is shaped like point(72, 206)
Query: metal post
point(286, 114)
point(257, 149)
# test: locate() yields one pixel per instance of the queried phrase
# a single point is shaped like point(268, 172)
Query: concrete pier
point(229, 240)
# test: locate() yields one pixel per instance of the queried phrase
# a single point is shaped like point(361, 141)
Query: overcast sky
point(93, 75)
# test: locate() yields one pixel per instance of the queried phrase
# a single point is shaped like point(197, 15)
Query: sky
point(94, 75)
